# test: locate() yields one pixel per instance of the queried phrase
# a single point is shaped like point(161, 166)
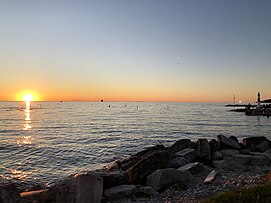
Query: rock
point(119, 192)
point(114, 178)
point(128, 162)
point(9, 193)
point(220, 164)
point(112, 166)
point(265, 154)
point(144, 191)
point(260, 144)
point(163, 178)
point(193, 168)
point(203, 148)
point(238, 161)
point(150, 150)
point(178, 146)
point(177, 162)
point(227, 143)
point(79, 188)
point(217, 155)
point(188, 154)
point(229, 152)
point(211, 177)
point(234, 138)
point(145, 166)
point(259, 161)
point(214, 146)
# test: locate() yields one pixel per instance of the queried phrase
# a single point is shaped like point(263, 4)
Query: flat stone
point(163, 178)
point(188, 154)
point(220, 164)
point(227, 143)
point(119, 192)
point(211, 177)
point(193, 168)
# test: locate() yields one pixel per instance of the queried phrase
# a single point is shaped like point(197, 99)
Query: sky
point(135, 50)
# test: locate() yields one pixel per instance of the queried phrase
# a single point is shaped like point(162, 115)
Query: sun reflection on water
point(26, 139)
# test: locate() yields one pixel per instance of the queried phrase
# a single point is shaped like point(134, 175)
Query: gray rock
point(220, 164)
point(80, 188)
point(112, 166)
point(163, 178)
point(229, 152)
point(259, 161)
point(217, 155)
point(114, 178)
point(188, 154)
point(227, 143)
point(138, 173)
point(193, 168)
point(253, 142)
point(238, 161)
point(203, 148)
point(262, 147)
point(178, 146)
point(119, 192)
point(177, 162)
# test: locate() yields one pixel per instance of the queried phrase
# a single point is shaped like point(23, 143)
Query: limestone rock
point(227, 143)
point(146, 165)
point(119, 192)
point(188, 154)
point(177, 162)
point(220, 164)
point(178, 146)
point(193, 168)
point(203, 148)
point(163, 178)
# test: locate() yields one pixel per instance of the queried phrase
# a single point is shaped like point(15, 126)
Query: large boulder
point(9, 193)
point(227, 143)
point(238, 161)
point(163, 178)
point(203, 148)
point(178, 146)
point(229, 152)
point(214, 146)
point(193, 168)
point(138, 173)
point(188, 154)
point(257, 144)
point(114, 178)
point(79, 188)
point(217, 155)
point(119, 192)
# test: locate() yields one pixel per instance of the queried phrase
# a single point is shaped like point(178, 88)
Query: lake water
point(52, 140)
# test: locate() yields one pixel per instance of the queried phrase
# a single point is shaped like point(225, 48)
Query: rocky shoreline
point(187, 171)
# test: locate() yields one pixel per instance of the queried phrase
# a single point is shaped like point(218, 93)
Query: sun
point(27, 97)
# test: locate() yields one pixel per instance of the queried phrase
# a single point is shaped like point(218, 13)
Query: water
point(52, 140)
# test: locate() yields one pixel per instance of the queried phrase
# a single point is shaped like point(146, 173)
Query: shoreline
point(163, 174)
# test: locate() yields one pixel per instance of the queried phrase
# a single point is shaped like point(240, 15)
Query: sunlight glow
point(27, 97)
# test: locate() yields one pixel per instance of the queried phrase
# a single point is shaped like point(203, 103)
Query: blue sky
point(149, 50)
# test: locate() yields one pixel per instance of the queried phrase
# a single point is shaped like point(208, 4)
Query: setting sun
point(27, 97)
